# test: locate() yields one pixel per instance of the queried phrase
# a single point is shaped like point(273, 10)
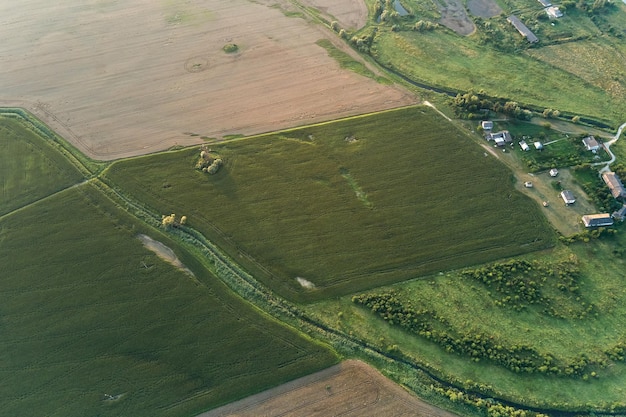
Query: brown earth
point(126, 78)
point(350, 14)
point(351, 388)
point(454, 16)
point(483, 8)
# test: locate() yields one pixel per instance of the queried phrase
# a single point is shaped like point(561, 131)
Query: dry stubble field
point(349, 389)
point(126, 78)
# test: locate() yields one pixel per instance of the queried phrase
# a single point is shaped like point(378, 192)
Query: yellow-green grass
point(30, 168)
point(594, 61)
point(347, 205)
point(468, 306)
point(93, 323)
point(444, 59)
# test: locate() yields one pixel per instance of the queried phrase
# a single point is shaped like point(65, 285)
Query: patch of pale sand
point(349, 389)
point(305, 283)
point(350, 14)
point(164, 252)
point(119, 79)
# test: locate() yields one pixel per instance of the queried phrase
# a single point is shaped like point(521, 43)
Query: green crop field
point(93, 323)
point(30, 168)
point(348, 205)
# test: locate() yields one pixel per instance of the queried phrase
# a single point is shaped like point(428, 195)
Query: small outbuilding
point(591, 144)
point(597, 220)
point(538, 145)
point(486, 125)
point(553, 12)
point(524, 145)
point(554, 172)
point(568, 197)
point(620, 214)
point(528, 184)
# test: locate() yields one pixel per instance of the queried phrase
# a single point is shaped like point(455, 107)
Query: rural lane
point(607, 146)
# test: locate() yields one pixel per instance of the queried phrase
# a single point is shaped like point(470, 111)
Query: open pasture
point(447, 60)
point(133, 77)
point(30, 168)
point(93, 323)
point(346, 205)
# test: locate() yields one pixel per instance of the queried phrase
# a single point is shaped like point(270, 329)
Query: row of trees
point(473, 105)
point(477, 346)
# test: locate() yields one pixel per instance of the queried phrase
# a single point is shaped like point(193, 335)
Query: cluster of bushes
point(517, 358)
point(207, 163)
point(364, 42)
point(477, 346)
point(473, 105)
point(587, 235)
point(496, 33)
point(518, 284)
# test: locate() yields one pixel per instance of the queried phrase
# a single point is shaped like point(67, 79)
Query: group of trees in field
point(208, 163)
point(171, 220)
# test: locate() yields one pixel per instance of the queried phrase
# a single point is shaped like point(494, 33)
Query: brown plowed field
point(349, 389)
point(132, 77)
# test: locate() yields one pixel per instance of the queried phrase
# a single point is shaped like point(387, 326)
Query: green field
point(576, 67)
point(348, 205)
point(93, 323)
point(30, 168)
point(470, 307)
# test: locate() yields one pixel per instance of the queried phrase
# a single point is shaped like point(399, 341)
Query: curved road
point(607, 146)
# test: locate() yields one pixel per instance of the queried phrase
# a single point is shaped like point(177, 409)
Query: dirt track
point(127, 78)
point(349, 389)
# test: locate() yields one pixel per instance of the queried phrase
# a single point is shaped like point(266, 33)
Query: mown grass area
point(347, 205)
point(444, 59)
point(30, 168)
point(93, 323)
point(469, 306)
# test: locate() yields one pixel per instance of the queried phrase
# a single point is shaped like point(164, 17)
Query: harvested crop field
point(351, 388)
point(126, 78)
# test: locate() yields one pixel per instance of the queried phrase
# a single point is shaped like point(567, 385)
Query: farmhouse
point(554, 172)
point(615, 184)
point(591, 144)
point(597, 220)
point(524, 145)
point(500, 138)
point(568, 197)
point(487, 125)
point(522, 29)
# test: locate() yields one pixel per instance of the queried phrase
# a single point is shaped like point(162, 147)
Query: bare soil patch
point(351, 388)
point(350, 14)
point(483, 8)
point(454, 16)
point(164, 252)
point(126, 78)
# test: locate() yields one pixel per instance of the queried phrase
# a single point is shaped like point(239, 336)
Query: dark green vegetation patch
point(347, 205)
point(93, 323)
point(30, 168)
